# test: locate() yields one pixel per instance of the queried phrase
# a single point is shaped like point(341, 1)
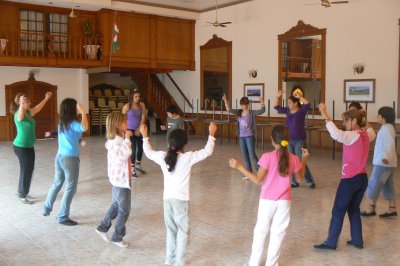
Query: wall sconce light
point(358, 68)
point(252, 73)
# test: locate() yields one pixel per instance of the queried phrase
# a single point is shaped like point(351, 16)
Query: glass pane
point(32, 15)
point(32, 26)
point(24, 25)
point(39, 16)
point(23, 14)
point(64, 19)
point(39, 26)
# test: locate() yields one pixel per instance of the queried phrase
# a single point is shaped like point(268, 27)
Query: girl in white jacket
point(119, 173)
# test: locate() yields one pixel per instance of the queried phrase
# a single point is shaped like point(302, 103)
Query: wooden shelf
point(300, 75)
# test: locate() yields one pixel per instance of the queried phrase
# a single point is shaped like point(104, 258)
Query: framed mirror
point(215, 73)
point(302, 61)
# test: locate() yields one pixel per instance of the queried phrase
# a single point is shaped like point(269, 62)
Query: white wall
point(70, 82)
point(363, 31)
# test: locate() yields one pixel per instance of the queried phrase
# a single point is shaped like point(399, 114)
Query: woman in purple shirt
point(295, 116)
point(135, 112)
point(247, 129)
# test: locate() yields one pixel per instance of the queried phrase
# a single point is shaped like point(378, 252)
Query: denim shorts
point(381, 179)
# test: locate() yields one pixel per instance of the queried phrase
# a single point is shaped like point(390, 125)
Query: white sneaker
point(26, 201)
point(245, 178)
point(103, 235)
point(120, 244)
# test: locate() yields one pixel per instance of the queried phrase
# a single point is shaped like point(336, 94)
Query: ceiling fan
point(72, 14)
point(327, 3)
point(216, 23)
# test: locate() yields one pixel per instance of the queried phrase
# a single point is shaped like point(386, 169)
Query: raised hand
point(224, 98)
point(280, 93)
point(322, 109)
point(80, 108)
point(234, 163)
point(305, 153)
point(48, 95)
point(212, 128)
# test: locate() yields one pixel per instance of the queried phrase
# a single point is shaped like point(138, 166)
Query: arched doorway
point(46, 120)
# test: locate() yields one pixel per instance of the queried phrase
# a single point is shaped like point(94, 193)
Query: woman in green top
point(25, 139)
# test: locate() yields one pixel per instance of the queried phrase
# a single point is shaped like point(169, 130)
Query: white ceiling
point(94, 5)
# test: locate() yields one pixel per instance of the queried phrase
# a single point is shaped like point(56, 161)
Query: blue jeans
point(120, 209)
point(381, 179)
point(248, 151)
point(295, 148)
point(66, 169)
point(348, 199)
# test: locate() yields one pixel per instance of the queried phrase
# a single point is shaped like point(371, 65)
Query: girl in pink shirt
point(275, 172)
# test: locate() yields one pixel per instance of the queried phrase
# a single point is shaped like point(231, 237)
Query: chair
point(91, 93)
point(127, 92)
point(91, 105)
point(117, 92)
point(120, 105)
point(107, 92)
point(98, 93)
point(112, 104)
point(101, 102)
point(122, 99)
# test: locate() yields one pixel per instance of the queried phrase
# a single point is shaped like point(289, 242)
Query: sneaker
point(311, 185)
point(26, 201)
point(354, 245)
point(120, 244)
point(45, 213)
point(134, 175)
point(368, 214)
point(388, 214)
point(167, 263)
point(245, 178)
point(103, 235)
point(324, 246)
point(139, 169)
point(68, 222)
point(295, 185)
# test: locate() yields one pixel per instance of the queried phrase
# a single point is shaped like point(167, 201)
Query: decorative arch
point(46, 119)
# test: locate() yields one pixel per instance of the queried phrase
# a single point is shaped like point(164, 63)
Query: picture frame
point(359, 90)
point(254, 91)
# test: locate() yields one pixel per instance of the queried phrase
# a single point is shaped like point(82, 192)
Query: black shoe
point(312, 185)
point(295, 185)
point(68, 222)
point(324, 246)
point(368, 214)
point(388, 214)
point(354, 245)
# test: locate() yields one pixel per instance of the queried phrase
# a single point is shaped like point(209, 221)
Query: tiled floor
point(223, 214)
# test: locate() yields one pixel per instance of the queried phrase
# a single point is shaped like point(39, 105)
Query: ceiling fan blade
point(226, 22)
point(340, 2)
point(221, 25)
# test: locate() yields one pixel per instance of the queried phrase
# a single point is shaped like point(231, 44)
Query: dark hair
point(172, 109)
point(243, 100)
point(356, 105)
point(360, 116)
point(279, 134)
point(176, 140)
point(67, 113)
point(295, 100)
point(131, 95)
point(14, 105)
point(388, 114)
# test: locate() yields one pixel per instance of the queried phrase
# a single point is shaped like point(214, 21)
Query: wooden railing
point(39, 45)
point(296, 64)
point(180, 91)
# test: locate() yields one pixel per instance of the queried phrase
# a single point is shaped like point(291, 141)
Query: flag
point(115, 38)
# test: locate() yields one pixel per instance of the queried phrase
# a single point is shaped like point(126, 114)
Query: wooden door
point(46, 119)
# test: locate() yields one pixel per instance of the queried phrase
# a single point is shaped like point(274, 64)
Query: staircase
point(157, 96)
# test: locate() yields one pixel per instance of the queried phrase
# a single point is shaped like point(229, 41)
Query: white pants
point(273, 216)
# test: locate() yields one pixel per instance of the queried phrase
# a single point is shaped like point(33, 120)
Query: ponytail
point(280, 135)
point(14, 105)
point(177, 139)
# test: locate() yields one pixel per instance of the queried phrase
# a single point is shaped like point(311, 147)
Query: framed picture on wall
point(359, 90)
point(254, 91)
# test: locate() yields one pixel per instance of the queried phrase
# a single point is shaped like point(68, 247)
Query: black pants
point(26, 158)
point(137, 149)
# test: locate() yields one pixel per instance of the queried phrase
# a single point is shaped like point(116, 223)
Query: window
point(57, 25)
point(36, 25)
point(32, 35)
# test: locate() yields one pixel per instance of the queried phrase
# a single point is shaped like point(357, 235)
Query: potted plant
point(90, 49)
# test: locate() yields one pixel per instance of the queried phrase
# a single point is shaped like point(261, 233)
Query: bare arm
point(81, 110)
point(125, 109)
point(226, 102)
point(144, 114)
point(22, 108)
point(40, 106)
point(256, 178)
